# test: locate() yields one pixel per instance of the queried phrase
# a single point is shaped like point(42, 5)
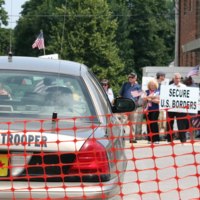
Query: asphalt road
point(162, 171)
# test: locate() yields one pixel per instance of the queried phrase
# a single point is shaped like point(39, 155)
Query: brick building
point(188, 32)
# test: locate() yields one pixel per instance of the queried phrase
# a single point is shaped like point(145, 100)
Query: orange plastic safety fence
point(82, 158)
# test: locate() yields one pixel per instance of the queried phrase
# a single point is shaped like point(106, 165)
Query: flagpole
point(43, 39)
point(41, 31)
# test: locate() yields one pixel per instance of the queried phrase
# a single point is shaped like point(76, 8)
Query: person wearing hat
point(132, 90)
point(106, 85)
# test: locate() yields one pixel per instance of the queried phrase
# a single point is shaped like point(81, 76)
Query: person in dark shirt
point(132, 90)
point(160, 78)
point(152, 98)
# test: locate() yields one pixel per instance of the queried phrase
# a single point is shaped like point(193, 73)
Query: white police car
point(59, 138)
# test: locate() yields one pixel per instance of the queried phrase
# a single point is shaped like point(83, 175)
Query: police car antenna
point(10, 56)
point(54, 116)
point(10, 41)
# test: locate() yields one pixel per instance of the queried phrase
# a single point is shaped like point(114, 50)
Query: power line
point(90, 15)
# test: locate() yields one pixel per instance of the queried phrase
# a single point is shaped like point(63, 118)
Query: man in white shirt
point(181, 118)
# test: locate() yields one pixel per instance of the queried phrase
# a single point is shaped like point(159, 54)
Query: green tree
point(36, 15)
point(3, 14)
point(5, 39)
point(82, 31)
point(112, 37)
point(121, 14)
point(152, 33)
point(5, 34)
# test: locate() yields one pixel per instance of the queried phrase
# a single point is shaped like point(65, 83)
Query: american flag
point(196, 122)
point(39, 42)
point(136, 93)
point(194, 71)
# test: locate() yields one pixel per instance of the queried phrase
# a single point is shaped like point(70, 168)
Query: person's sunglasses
point(131, 77)
point(104, 84)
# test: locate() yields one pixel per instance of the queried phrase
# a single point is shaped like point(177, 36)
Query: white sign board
point(184, 99)
point(146, 79)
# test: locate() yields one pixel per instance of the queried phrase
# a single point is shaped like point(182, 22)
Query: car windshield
point(35, 95)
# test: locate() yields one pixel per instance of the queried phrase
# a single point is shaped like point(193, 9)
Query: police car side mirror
point(122, 105)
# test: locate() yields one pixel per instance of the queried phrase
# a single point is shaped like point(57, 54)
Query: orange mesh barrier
point(68, 159)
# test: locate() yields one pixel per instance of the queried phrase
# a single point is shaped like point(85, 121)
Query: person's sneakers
point(133, 141)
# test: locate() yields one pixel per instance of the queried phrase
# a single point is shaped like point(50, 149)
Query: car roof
point(42, 64)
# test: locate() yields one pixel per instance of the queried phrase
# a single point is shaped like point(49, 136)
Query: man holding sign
point(178, 100)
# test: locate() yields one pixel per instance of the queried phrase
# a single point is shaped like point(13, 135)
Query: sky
point(13, 7)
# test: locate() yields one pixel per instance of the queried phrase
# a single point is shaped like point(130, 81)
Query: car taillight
point(91, 159)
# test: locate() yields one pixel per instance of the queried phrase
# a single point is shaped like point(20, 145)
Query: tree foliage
point(5, 37)
point(121, 13)
point(87, 35)
point(152, 33)
point(5, 34)
point(81, 31)
point(3, 14)
point(112, 37)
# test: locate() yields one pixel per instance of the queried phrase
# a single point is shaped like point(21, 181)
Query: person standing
point(152, 99)
point(132, 90)
point(195, 118)
point(106, 85)
point(182, 122)
point(160, 78)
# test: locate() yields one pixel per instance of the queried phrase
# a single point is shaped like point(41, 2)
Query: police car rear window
point(32, 93)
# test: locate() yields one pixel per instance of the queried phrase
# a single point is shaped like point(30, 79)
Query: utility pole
point(176, 59)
